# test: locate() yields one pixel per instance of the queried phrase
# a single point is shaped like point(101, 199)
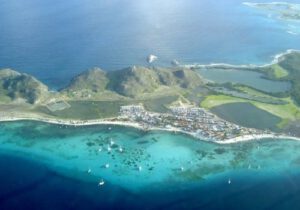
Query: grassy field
point(105, 109)
point(86, 110)
point(253, 92)
point(287, 69)
point(288, 111)
point(276, 71)
point(217, 100)
point(4, 99)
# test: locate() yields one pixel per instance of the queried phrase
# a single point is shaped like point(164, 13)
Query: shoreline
point(276, 60)
point(111, 121)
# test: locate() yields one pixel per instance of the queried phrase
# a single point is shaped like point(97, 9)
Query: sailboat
point(101, 183)
point(121, 149)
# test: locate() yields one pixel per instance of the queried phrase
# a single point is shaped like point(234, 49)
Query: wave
point(276, 59)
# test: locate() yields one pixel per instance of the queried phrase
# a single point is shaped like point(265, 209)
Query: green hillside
point(15, 86)
point(133, 82)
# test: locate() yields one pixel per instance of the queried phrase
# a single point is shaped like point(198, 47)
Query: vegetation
point(105, 109)
point(16, 86)
point(245, 92)
point(287, 69)
point(287, 112)
point(291, 63)
point(93, 79)
point(99, 94)
point(275, 71)
point(133, 82)
point(217, 100)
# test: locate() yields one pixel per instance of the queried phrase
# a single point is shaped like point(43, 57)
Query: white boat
point(101, 183)
point(108, 148)
point(229, 181)
point(140, 168)
point(151, 58)
point(106, 165)
point(111, 142)
point(121, 149)
point(89, 171)
point(100, 149)
point(181, 168)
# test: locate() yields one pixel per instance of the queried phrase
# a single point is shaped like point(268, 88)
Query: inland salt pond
point(62, 166)
point(247, 115)
point(249, 78)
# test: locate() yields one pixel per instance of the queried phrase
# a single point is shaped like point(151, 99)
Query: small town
point(192, 120)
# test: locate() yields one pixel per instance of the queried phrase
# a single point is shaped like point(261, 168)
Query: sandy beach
point(257, 137)
point(119, 122)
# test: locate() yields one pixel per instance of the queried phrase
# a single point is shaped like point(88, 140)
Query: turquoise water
point(54, 40)
point(46, 166)
point(55, 158)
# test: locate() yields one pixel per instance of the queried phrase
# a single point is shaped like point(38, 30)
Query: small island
point(283, 10)
point(176, 99)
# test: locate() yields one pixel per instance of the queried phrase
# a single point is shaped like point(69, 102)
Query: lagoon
point(249, 78)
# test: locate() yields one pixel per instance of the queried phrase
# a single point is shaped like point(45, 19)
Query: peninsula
point(175, 99)
point(282, 10)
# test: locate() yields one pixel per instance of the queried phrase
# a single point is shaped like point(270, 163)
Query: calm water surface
point(45, 166)
point(54, 40)
point(249, 78)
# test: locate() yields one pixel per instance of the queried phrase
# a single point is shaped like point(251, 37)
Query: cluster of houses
point(188, 119)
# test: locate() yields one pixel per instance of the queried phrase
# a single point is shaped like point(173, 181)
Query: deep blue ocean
point(55, 40)
point(32, 186)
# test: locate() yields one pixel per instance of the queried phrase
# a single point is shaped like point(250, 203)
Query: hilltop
point(132, 82)
point(19, 87)
point(98, 94)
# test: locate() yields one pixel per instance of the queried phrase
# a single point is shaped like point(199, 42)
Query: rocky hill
point(134, 81)
point(96, 84)
point(21, 87)
point(94, 79)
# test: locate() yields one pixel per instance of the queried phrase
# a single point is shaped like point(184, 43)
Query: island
point(176, 99)
point(282, 10)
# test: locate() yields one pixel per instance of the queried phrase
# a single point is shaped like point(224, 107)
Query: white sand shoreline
point(113, 121)
point(246, 138)
point(275, 60)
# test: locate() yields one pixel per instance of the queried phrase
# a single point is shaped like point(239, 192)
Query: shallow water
point(53, 158)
